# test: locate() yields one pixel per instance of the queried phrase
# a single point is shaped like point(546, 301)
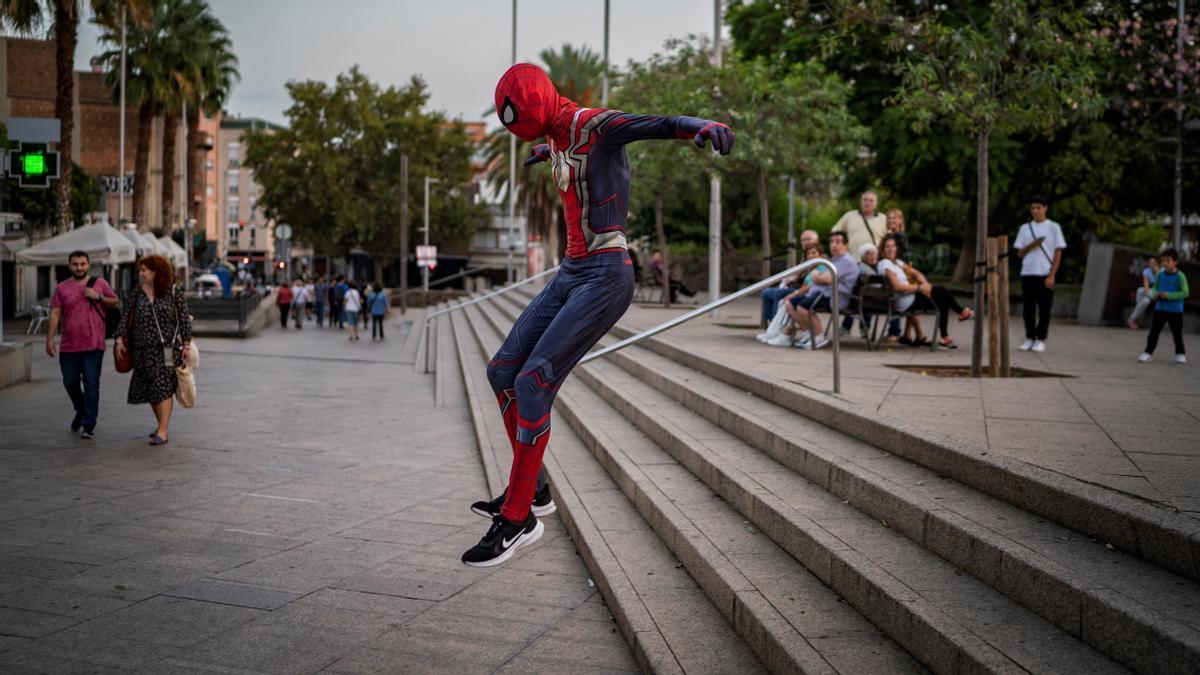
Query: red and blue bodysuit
point(595, 284)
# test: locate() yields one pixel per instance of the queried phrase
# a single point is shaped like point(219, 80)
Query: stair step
point(923, 602)
point(666, 618)
point(1167, 539)
point(413, 321)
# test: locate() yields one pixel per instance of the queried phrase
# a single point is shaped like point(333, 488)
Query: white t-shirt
point(353, 301)
point(1038, 263)
point(900, 301)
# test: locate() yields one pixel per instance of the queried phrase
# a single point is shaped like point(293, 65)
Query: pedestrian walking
point(310, 293)
point(160, 335)
point(339, 300)
point(283, 300)
point(377, 301)
point(1170, 290)
point(80, 304)
point(352, 304)
point(299, 302)
point(1039, 244)
point(320, 299)
point(1145, 292)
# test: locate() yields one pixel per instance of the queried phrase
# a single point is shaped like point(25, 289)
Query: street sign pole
point(425, 269)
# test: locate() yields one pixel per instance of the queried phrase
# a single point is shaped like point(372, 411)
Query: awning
point(174, 251)
point(102, 242)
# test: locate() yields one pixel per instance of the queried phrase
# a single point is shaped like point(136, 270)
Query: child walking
point(1171, 289)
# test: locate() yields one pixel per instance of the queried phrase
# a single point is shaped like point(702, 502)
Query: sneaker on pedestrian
point(76, 423)
point(1026, 345)
point(87, 433)
point(502, 540)
point(819, 342)
point(1145, 357)
point(780, 341)
point(543, 504)
point(1180, 358)
point(1038, 346)
point(805, 341)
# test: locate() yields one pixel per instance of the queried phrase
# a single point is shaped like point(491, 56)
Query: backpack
point(111, 315)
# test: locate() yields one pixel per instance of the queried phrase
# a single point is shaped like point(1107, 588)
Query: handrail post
point(837, 333)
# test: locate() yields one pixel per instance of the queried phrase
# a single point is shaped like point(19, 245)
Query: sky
point(460, 47)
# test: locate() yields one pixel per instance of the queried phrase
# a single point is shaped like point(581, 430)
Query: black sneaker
point(502, 540)
point(543, 504)
point(87, 433)
point(76, 423)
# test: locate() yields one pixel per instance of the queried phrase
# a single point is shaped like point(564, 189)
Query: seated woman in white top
point(913, 292)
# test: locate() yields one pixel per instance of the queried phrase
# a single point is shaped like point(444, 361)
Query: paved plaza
point(307, 515)
point(1128, 426)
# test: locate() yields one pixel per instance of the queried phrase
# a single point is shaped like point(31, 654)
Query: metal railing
point(773, 279)
point(491, 294)
point(452, 277)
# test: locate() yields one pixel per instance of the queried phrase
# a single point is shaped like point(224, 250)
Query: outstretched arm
point(625, 128)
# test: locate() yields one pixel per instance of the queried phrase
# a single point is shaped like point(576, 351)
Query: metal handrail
point(452, 277)
point(499, 291)
point(800, 267)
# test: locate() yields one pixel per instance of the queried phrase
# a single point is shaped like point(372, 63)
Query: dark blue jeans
point(83, 368)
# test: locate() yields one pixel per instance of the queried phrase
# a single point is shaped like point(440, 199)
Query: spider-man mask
point(527, 102)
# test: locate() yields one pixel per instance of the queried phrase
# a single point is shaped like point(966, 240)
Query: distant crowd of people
point(880, 242)
point(341, 301)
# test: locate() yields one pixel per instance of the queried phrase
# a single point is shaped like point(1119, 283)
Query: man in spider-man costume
point(592, 289)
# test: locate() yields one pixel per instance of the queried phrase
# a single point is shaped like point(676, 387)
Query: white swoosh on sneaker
point(509, 542)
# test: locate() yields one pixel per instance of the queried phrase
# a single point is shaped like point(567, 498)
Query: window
point(231, 182)
point(234, 152)
point(208, 190)
point(231, 213)
point(252, 232)
point(232, 228)
point(208, 165)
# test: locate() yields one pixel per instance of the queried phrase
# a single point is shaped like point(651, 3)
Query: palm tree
point(27, 17)
point(181, 55)
point(576, 73)
point(218, 72)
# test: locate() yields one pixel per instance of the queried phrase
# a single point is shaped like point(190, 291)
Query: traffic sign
point(283, 231)
point(33, 165)
point(427, 256)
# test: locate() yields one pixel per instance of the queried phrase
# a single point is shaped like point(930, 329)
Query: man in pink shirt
point(80, 307)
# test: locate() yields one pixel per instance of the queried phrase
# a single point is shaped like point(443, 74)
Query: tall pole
point(604, 75)
point(791, 221)
point(121, 177)
point(425, 269)
point(512, 167)
point(1177, 214)
point(714, 204)
point(187, 231)
point(403, 234)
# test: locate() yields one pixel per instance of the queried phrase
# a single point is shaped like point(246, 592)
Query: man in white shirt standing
point(864, 226)
point(1039, 244)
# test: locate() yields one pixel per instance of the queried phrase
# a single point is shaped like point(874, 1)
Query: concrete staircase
point(735, 524)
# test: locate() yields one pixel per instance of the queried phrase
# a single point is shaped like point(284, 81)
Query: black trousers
point(1036, 301)
point(283, 315)
point(1172, 319)
point(939, 299)
point(376, 325)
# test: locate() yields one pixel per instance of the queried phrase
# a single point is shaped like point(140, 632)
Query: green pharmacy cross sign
point(33, 165)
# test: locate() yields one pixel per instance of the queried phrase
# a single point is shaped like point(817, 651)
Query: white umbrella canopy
point(146, 244)
point(174, 251)
point(102, 242)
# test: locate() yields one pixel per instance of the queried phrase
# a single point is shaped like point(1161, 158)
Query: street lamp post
point(425, 269)
point(791, 221)
point(714, 204)
point(121, 178)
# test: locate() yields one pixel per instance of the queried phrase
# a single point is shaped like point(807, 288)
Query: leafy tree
point(1010, 67)
point(27, 17)
point(334, 173)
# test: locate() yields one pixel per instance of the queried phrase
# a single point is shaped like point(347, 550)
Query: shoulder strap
point(1033, 234)
point(95, 305)
point(868, 224)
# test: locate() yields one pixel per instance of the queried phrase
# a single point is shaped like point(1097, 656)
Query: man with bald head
point(772, 296)
point(865, 225)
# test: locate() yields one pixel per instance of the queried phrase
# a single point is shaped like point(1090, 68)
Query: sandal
point(155, 439)
point(967, 313)
point(947, 343)
point(923, 342)
point(906, 341)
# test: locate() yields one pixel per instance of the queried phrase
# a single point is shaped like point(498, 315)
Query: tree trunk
point(981, 232)
point(147, 111)
point(66, 20)
point(662, 245)
point(765, 220)
point(170, 131)
point(195, 170)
